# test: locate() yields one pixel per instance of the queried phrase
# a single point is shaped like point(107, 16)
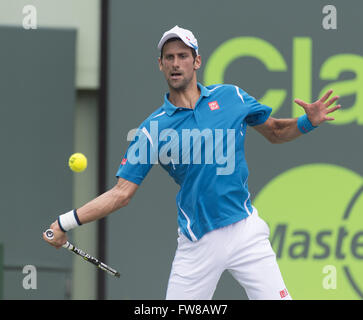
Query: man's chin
point(178, 85)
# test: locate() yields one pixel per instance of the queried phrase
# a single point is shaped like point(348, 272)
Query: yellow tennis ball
point(77, 162)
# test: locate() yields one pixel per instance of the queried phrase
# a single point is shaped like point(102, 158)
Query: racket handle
point(49, 234)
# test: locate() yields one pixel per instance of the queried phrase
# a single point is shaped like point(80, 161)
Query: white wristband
point(68, 221)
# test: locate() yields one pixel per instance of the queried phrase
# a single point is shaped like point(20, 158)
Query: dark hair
point(194, 53)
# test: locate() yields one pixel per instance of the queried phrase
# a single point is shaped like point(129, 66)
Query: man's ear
point(160, 64)
point(197, 62)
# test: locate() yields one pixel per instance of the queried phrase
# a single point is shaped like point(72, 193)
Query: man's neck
point(186, 98)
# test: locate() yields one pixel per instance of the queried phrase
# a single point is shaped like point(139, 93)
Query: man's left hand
point(317, 112)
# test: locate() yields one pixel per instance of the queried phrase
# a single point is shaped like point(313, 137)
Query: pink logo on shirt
point(283, 293)
point(124, 160)
point(213, 105)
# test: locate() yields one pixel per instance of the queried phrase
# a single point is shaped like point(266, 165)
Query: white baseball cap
point(183, 34)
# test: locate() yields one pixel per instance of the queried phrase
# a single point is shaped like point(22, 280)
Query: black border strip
point(102, 141)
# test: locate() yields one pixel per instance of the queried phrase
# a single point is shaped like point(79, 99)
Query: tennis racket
point(50, 235)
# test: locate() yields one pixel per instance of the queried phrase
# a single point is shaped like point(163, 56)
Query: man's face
point(178, 64)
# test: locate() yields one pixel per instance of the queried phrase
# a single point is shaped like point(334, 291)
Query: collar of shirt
point(170, 108)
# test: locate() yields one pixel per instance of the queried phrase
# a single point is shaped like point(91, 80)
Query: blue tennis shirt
point(202, 149)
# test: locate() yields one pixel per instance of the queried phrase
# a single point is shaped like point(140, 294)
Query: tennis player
point(219, 229)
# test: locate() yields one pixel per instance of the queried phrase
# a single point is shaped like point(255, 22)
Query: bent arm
point(284, 130)
point(279, 130)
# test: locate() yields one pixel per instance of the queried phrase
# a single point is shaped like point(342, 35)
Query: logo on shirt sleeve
point(213, 105)
point(124, 160)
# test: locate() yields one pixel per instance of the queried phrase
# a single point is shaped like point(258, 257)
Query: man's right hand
point(60, 237)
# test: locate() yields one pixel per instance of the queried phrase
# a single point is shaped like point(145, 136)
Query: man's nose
point(176, 62)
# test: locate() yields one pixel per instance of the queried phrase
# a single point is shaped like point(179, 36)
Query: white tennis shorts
point(242, 248)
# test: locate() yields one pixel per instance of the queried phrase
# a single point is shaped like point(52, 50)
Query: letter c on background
point(240, 47)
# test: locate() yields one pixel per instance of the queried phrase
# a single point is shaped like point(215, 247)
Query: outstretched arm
point(284, 130)
point(108, 202)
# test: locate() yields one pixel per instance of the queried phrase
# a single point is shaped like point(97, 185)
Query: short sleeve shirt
point(202, 149)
